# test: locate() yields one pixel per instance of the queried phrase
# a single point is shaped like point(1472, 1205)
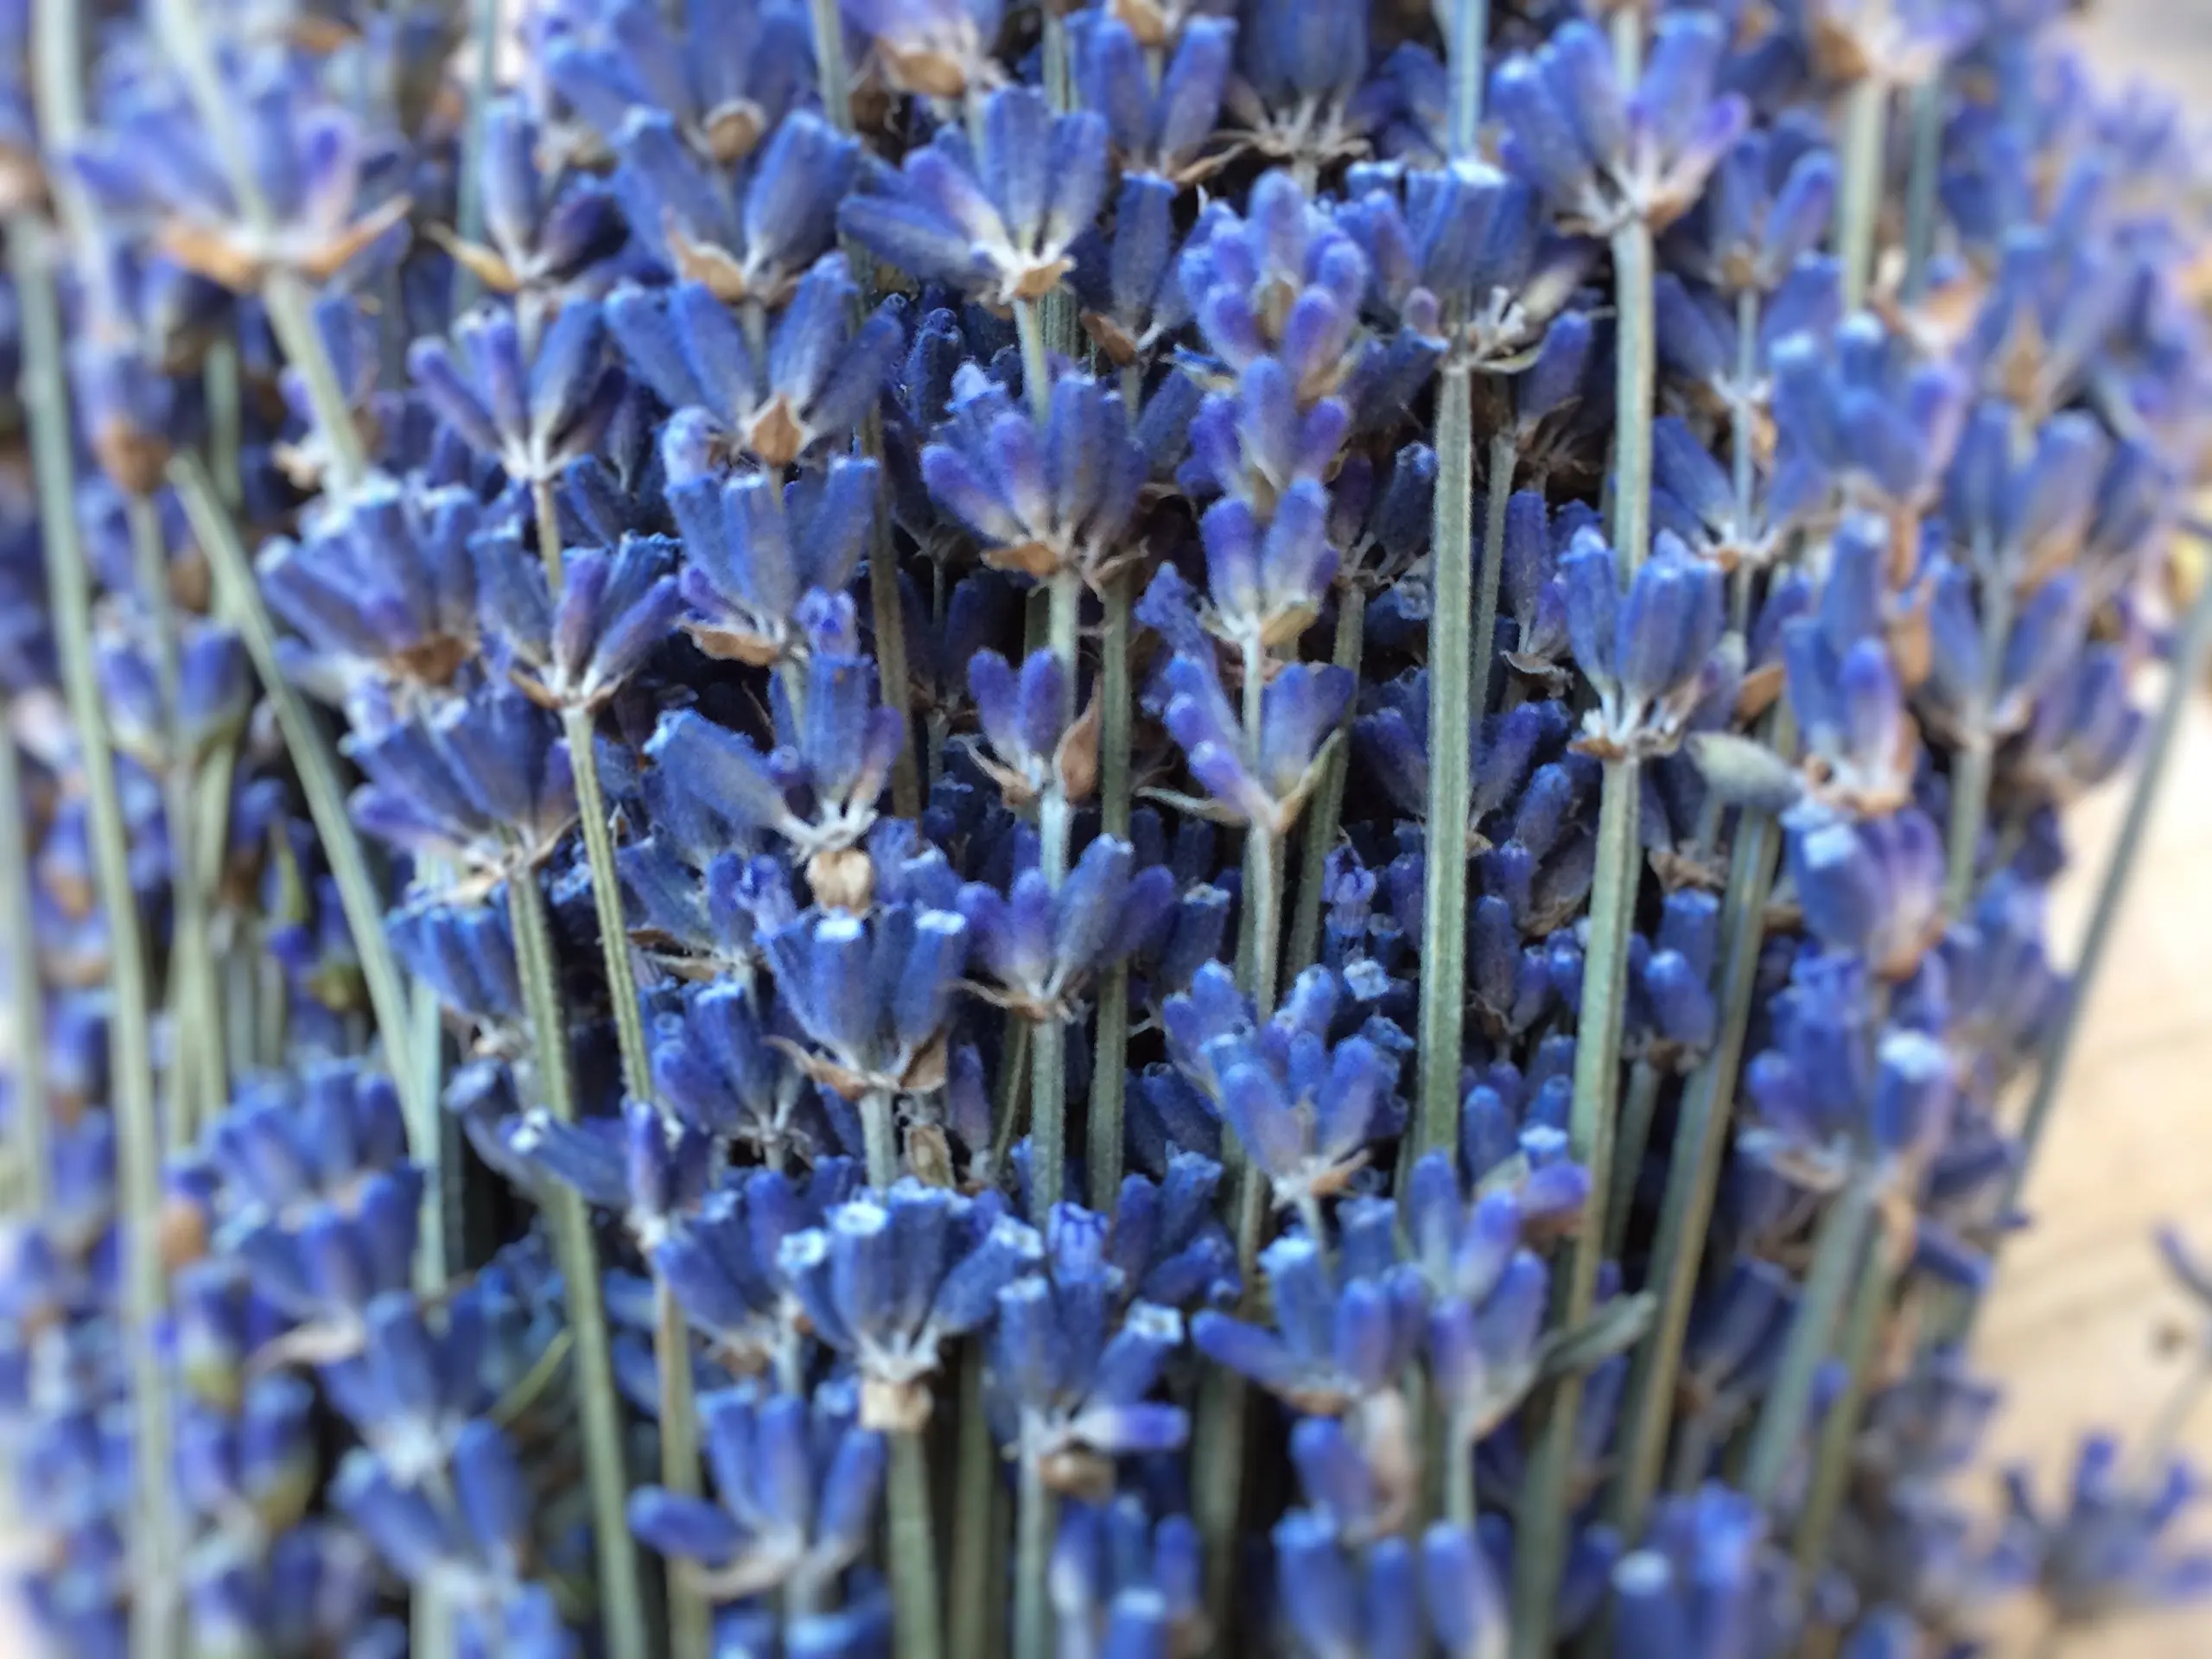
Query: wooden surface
point(2074, 1326)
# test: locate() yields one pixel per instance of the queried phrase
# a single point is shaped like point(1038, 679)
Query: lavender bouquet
point(1203, 826)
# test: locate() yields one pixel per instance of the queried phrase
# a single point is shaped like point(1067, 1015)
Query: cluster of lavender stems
point(921, 828)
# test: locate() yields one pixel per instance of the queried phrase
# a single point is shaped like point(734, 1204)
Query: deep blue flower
point(1705, 1583)
point(1653, 652)
point(1882, 425)
point(807, 382)
point(1167, 128)
point(1843, 682)
point(2108, 1547)
point(797, 1482)
point(577, 650)
point(939, 49)
point(1299, 713)
point(533, 406)
point(1044, 946)
point(998, 225)
point(1297, 88)
point(1601, 153)
point(1069, 1362)
point(1333, 1346)
point(540, 234)
point(749, 243)
point(730, 71)
point(1872, 888)
point(1043, 502)
point(1121, 1585)
point(890, 1278)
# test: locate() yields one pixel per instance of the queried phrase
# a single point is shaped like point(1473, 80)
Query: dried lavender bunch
point(671, 671)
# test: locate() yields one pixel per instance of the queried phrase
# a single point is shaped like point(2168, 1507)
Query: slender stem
point(153, 1633)
point(1034, 1511)
point(879, 1137)
point(691, 1620)
point(1644, 1081)
point(1976, 757)
point(1694, 1173)
point(1450, 692)
point(887, 615)
point(1217, 1488)
point(1009, 1091)
point(226, 421)
point(1324, 817)
point(2182, 677)
point(1831, 1474)
point(913, 1552)
point(1459, 1506)
point(1839, 1245)
point(1117, 717)
point(1540, 1552)
point(829, 53)
point(1470, 28)
point(1858, 192)
point(1036, 366)
point(1627, 30)
point(468, 211)
point(607, 903)
point(1920, 184)
point(1109, 1054)
point(317, 769)
point(26, 992)
point(976, 1479)
point(622, 1605)
point(1636, 369)
point(1741, 407)
point(1048, 1077)
point(546, 508)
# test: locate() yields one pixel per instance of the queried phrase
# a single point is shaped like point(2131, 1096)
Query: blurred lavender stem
point(605, 1476)
point(1839, 1245)
point(1831, 1472)
point(68, 576)
point(26, 1003)
point(468, 209)
point(1540, 1549)
point(913, 1527)
point(1694, 1166)
point(316, 765)
point(1324, 815)
point(1977, 757)
point(976, 1482)
point(1109, 1053)
point(1034, 1511)
point(1450, 692)
point(1858, 194)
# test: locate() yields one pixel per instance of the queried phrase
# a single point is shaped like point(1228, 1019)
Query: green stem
point(1048, 1077)
point(607, 903)
point(1218, 1490)
point(829, 50)
point(1858, 193)
point(545, 507)
point(153, 1633)
point(26, 993)
point(1035, 1512)
point(1450, 693)
point(225, 421)
point(1643, 1104)
point(887, 615)
point(976, 1481)
point(1540, 1552)
point(316, 766)
point(1470, 27)
point(1036, 365)
point(1693, 1172)
point(191, 990)
point(912, 1529)
point(1839, 1245)
point(1920, 184)
point(1325, 816)
point(880, 1136)
point(1636, 369)
point(1976, 757)
point(468, 210)
point(621, 1596)
point(1459, 1491)
point(1111, 1052)
point(1008, 1092)
point(1831, 1475)
point(691, 1620)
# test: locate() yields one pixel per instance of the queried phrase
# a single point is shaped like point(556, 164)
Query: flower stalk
point(1541, 1551)
point(622, 1612)
point(130, 1035)
point(31, 1175)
